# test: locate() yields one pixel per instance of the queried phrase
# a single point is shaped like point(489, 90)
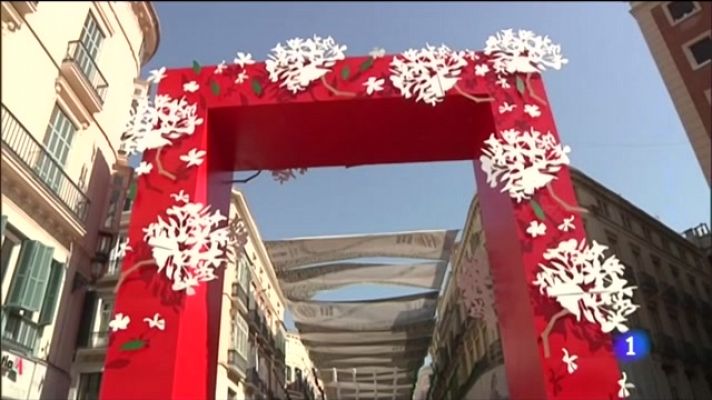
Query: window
point(699, 51)
point(602, 206)
point(289, 373)
point(57, 141)
point(231, 394)
point(678, 11)
point(656, 262)
point(674, 271)
point(87, 53)
point(613, 243)
point(89, 386)
point(636, 256)
point(114, 259)
point(19, 331)
point(10, 247)
point(625, 220)
point(51, 298)
point(241, 336)
point(31, 276)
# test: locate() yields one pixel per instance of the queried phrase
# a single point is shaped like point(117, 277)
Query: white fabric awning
point(366, 315)
point(428, 245)
point(304, 283)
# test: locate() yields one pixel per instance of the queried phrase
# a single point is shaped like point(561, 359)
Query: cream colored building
point(251, 358)
point(302, 380)
point(69, 71)
point(674, 280)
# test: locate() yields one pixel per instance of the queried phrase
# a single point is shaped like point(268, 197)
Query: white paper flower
point(220, 68)
point(241, 77)
point(532, 110)
point(427, 73)
point(570, 361)
point(377, 52)
point(156, 322)
point(506, 107)
point(120, 322)
point(157, 75)
point(502, 82)
point(475, 284)
point(155, 124)
point(567, 225)
point(523, 161)
point(471, 54)
point(624, 386)
point(143, 168)
point(481, 70)
point(191, 87)
point(189, 245)
point(180, 196)
point(193, 157)
point(586, 283)
point(374, 85)
point(523, 52)
point(243, 59)
point(302, 61)
point(122, 248)
point(536, 228)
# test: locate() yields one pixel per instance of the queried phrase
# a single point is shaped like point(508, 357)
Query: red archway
point(348, 112)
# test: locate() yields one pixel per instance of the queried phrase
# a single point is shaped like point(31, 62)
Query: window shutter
point(52, 295)
point(31, 276)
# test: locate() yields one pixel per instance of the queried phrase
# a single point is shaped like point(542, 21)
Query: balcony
point(669, 294)
point(647, 283)
point(19, 333)
point(688, 302)
point(97, 340)
point(24, 155)
point(240, 294)
point(237, 366)
point(84, 77)
point(664, 345)
point(13, 13)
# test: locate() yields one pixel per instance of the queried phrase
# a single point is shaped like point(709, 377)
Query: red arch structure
point(245, 117)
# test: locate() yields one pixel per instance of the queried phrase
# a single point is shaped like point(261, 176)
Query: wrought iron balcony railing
point(648, 283)
point(97, 340)
point(42, 164)
point(80, 55)
point(236, 360)
point(19, 332)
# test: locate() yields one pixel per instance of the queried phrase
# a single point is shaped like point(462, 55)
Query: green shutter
point(31, 276)
point(52, 295)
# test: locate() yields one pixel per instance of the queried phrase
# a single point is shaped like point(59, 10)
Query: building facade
point(678, 35)
point(302, 380)
point(66, 93)
point(251, 358)
point(673, 275)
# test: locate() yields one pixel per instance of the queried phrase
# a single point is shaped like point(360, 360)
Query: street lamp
point(98, 263)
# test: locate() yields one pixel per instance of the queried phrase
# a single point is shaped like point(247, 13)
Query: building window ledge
point(13, 13)
point(80, 73)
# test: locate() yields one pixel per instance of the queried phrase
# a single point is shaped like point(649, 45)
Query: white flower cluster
point(189, 246)
point(523, 161)
point(586, 283)
point(303, 61)
point(427, 73)
point(155, 124)
point(523, 52)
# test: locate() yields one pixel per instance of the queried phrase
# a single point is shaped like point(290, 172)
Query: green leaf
point(215, 88)
point(256, 87)
point(345, 73)
point(537, 210)
point(196, 67)
point(132, 345)
point(132, 191)
point(368, 63)
point(520, 85)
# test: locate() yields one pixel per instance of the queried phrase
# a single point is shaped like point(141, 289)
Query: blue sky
point(610, 104)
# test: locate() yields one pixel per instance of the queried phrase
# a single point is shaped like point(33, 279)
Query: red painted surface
point(269, 128)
